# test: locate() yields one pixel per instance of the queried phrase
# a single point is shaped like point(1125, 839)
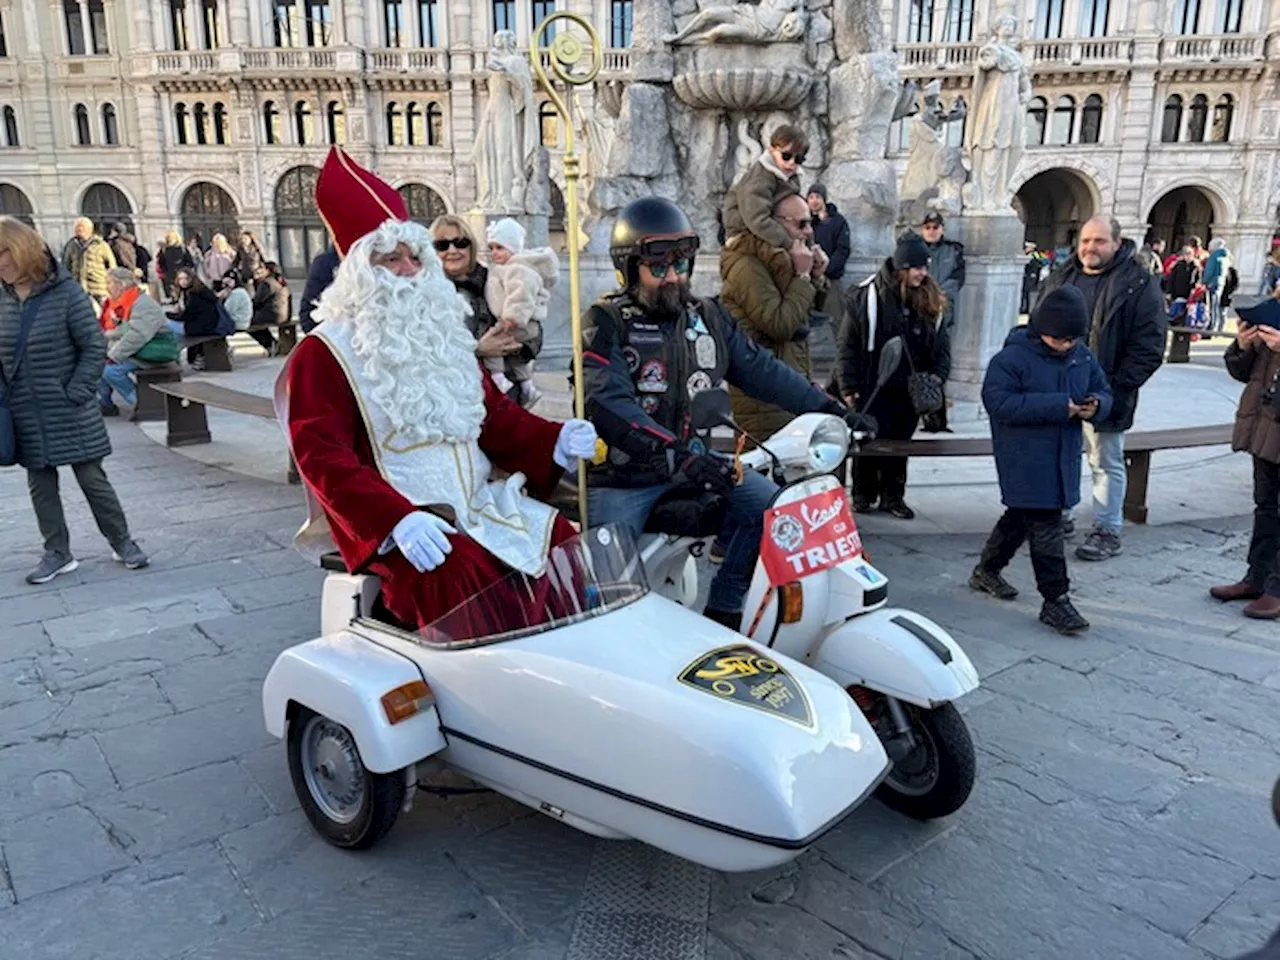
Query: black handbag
point(925, 389)
point(8, 432)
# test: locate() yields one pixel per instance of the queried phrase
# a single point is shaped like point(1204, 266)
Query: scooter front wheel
point(349, 805)
point(936, 777)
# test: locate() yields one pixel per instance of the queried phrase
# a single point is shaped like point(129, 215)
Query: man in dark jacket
point(830, 232)
point(648, 349)
point(946, 265)
point(900, 300)
point(125, 248)
point(319, 277)
point(1038, 391)
point(1127, 332)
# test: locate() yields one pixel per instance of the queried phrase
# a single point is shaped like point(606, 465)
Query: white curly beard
point(410, 332)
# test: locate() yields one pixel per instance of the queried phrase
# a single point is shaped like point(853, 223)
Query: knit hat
point(819, 189)
point(1061, 314)
point(933, 216)
point(910, 252)
point(506, 233)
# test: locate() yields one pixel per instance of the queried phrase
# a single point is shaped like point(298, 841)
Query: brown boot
point(1244, 590)
point(1266, 607)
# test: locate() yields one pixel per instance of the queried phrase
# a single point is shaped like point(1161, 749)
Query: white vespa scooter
point(816, 598)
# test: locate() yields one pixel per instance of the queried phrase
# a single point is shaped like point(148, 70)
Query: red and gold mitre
point(354, 202)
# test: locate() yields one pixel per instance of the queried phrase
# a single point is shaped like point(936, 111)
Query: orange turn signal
point(403, 702)
point(791, 602)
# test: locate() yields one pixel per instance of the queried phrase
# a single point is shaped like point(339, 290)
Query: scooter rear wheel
point(349, 805)
point(936, 778)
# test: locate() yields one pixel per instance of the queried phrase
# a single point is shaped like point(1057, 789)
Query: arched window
point(548, 124)
point(1064, 118)
point(10, 128)
point(1197, 118)
point(208, 209)
point(84, 136)
point(414, 125)
point(435, 125)
point(110, 129)
point(300, 232)
point(271, 122)
point(302, 122)
point(201, 115)
point(220, 124)
point(424, 203)
point(105, 205)
point(1171, 126)
point(395, 125)
point(336, 122)
point(180, 123)
point(14, 203)
point(1091, 119)
point(1223, 112)
point(1037, 117)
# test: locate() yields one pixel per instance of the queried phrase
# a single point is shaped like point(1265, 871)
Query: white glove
point(421, 538)
point(577, 441)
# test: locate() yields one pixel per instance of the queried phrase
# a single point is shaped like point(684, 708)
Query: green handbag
point(162, 348)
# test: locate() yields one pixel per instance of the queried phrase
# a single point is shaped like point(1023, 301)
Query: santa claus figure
point(396, 428)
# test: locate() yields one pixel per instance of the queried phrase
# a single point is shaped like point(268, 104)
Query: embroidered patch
point(632, 356)
point(698, 382)
point(649, 404)
point(705, 351)
point(653, 377)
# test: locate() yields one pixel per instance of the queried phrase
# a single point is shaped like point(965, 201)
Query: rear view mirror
point(890, 360)
point(710, 408)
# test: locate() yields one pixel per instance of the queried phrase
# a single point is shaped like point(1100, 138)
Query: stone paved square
point(1120, 811)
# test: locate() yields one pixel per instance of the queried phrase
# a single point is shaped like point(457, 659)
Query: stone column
point(987, 308)
point(239, 16)
point(90, 47)
point(143, 25)
point(354, 24)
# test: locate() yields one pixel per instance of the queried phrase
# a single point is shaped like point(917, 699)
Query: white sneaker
point(529, 394)
point(502, 383)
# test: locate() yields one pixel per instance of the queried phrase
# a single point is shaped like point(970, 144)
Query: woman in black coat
point(174, 257)
point(52, 393)
point(197, 312)
point(907, 304)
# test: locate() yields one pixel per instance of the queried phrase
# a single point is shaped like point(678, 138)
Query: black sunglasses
point(788, 156)
point(461, 243)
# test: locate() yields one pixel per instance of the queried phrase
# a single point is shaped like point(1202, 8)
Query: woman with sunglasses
point(458, 251)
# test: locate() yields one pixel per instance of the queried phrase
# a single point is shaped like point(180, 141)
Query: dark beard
point(669, 301)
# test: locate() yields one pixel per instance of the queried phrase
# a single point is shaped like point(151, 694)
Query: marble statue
point(769, 21)
point(507, 140)
point(935, 172)
point(1001, 92)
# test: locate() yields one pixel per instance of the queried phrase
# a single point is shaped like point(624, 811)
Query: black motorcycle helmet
point(651, 228)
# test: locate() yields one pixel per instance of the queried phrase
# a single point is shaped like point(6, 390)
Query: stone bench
point(217, 353)
point(286, 334)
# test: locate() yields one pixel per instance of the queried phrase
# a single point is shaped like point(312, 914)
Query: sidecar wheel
point(349, 805)
point(936, 778)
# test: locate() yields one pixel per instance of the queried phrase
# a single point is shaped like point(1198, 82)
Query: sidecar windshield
point(590, 575)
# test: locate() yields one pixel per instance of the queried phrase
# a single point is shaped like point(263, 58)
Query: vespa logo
point(741, 675)
point(817, 519)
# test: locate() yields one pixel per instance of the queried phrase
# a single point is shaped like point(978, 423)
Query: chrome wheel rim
point(332, 769)
point(917, 773)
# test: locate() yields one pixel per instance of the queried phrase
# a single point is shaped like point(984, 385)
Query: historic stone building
point(1162, 113)
point(213, 115)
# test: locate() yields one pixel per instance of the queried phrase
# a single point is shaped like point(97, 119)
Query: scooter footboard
point(344, 677)
point(899, 653)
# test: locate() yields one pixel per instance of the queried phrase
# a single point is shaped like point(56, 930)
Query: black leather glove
point(861, 422)
point(707, 472)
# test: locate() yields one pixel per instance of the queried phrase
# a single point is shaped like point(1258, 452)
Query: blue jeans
point(1106, 461)
point(741, 532)
point(115, 376)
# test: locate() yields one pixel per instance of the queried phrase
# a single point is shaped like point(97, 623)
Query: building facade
point(1162, 113)
point(210, 116)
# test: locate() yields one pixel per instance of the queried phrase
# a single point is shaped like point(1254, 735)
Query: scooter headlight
point(828, 445)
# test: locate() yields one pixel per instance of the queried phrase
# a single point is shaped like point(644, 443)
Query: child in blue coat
point(1038, 390)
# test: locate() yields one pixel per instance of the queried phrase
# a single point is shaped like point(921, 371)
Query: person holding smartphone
point(1039, 391)
point(1253, 358)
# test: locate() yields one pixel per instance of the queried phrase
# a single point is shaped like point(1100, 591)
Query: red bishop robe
point(334, 457)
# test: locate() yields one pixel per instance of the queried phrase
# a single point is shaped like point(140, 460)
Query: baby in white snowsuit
point(518, 291)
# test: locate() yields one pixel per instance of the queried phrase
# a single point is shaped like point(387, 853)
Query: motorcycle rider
point(648, 348)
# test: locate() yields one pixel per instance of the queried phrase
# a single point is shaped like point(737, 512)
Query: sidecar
point(581, 694)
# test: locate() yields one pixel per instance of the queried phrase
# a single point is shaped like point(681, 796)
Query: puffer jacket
point(55, 392)
point(1257, 429)
point(88, 264)
point(520, 289)
point(771, 305)
point(143, 321)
